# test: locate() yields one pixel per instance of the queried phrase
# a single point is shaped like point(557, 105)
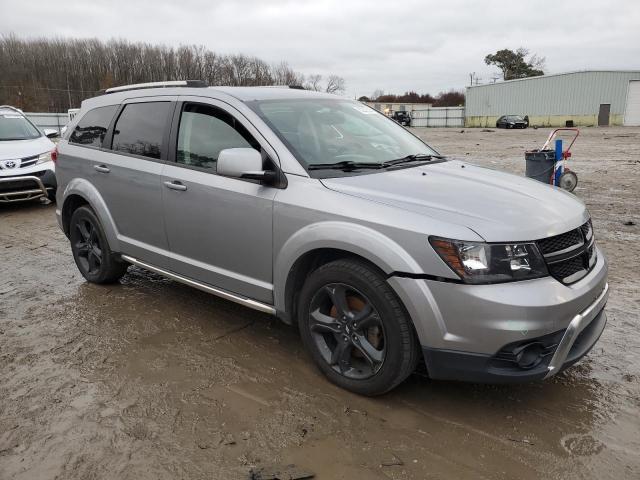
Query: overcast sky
point(391, 45)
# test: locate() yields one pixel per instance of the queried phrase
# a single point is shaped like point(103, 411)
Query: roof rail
point(173, 83)
point(295, 87)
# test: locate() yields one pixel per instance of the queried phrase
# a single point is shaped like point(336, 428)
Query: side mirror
point(51, 133)
point(242, 163)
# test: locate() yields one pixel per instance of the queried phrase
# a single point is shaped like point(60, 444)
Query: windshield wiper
point(345, 165)
point(349, 165)
point(416, 157)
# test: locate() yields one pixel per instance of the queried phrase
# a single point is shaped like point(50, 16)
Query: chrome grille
point(28, 161)
point(571, 255)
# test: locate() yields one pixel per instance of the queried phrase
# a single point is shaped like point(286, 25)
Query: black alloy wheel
point(88, 247)
point(355, 327)
point(347, 331)
point(91, 251)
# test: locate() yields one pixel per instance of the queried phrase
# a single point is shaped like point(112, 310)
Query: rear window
point(140, 129)
point(93, 126)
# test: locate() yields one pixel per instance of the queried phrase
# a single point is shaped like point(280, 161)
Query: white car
point(27, 157)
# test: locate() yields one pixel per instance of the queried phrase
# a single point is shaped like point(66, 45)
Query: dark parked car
point(512, 121)
point(403, 118)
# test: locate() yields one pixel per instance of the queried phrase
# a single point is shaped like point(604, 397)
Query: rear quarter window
point(92, 127)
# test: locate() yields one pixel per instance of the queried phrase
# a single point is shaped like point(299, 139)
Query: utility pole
point(68, 91)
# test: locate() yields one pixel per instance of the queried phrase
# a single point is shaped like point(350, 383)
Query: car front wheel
point(355, 328)
point(91, 252)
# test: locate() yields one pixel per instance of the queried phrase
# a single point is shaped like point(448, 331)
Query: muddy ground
point(149, 379)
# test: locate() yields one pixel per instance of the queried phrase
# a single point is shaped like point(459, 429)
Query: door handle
point(102, 168)
point(175, 185)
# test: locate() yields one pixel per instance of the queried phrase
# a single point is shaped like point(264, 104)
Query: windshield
point(328, 131)
point(14, 126)
point(515, 118)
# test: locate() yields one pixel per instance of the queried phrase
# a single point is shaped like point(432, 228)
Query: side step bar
point(247, 302)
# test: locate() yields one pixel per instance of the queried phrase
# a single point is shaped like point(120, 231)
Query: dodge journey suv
point(331, 216)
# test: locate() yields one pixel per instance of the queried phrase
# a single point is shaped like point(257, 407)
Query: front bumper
point(560, 350)
point(477, 332)
point(27, 186)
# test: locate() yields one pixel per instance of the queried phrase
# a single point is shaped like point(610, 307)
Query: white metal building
point(584, 98)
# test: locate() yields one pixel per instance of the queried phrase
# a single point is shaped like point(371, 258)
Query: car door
point(219, 228)
point(128, 176)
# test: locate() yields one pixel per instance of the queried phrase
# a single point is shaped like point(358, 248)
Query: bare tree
point(57, 74)
point(451, 98)
point(335, 84)
point(314, 82)
point(377, 94)
point(283, 74)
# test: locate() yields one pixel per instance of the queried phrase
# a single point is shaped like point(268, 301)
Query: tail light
point(54, 155)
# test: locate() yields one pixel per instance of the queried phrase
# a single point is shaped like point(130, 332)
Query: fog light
point(530, 356)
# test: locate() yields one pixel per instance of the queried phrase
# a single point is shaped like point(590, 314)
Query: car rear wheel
point(356, 329)
point(91, 252)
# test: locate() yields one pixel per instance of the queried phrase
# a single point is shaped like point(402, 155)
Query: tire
point(91, 252)
point(356, 329)
point(568, 180)
point(51, 195)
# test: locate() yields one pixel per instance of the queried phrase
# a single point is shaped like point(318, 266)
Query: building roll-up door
point(632, 112)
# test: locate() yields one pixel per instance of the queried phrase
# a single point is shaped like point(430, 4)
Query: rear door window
point(92, 127)
point(140, 129)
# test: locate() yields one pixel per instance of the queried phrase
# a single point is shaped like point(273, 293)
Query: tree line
point(452, 98)
point(52, 75)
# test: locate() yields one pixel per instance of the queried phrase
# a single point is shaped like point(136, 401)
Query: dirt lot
point(149, 379)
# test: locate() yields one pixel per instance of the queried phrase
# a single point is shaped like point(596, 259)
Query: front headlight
point(476, 262)
point(44, 157)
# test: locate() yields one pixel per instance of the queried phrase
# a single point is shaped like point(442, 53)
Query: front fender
point(86, 190)
point(360, 240)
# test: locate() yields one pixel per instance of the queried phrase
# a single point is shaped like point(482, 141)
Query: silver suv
point(333, 217)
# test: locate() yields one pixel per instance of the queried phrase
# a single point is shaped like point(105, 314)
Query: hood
point(498, 206)
point(14, 149)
